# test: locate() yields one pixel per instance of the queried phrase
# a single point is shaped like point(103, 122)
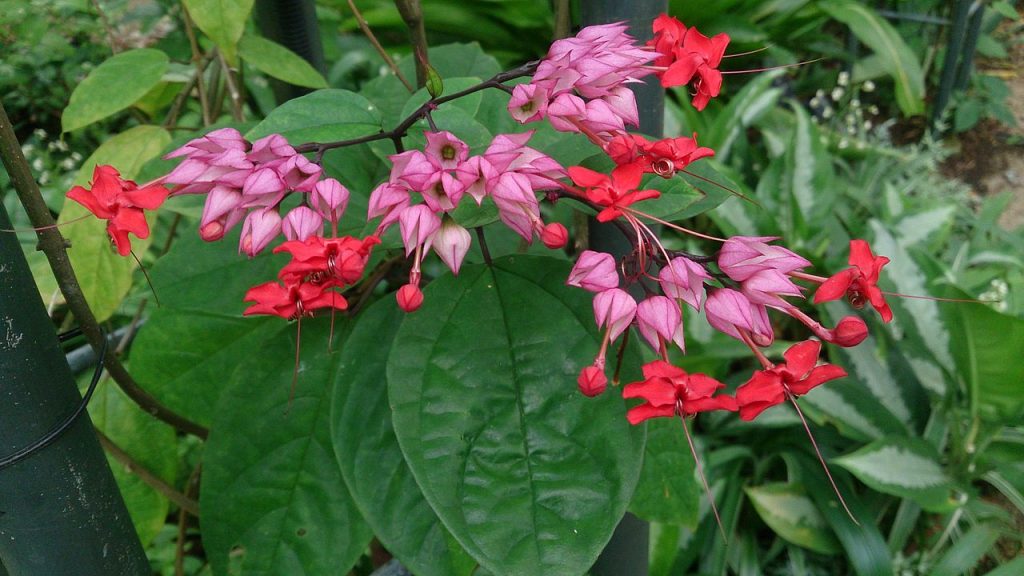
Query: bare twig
point(563, 18)
point(200, 62)
point(191, 488)
point(376, 45)
point(111, 37)
point(53, 245)
point(144, 474)
point(234, 94)
point(412, 14)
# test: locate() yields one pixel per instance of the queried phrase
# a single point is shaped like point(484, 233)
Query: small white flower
point(826, 113)
point(844, 143)
point(855, 103)
point(837, 93)
point(867, 125)
point(873, 110)
point(868, 86)
point(844, 78)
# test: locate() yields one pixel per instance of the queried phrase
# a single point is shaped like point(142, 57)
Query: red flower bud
point(849, 332)
point(592, 381)
point(554, 236)
point(409, 297)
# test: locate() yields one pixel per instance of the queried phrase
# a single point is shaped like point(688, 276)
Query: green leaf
point(751, 103)
point(787, 510)
point(104, 275)
point(322, 116)
point(988, 345)
point(676, 195)
point(1012, 568)
point(454, 61)
point(708, 178)
point(530, 476)
point(904, 467)
point(668, 491)
point(185, 359)
point(371, 461)
point(271, 490)
point(222, 20)
point(149, 442)
point(114, 85)
point(965, 554)
point(808, 173)
point(275, 60)
point(470, 104)
point(880, 36)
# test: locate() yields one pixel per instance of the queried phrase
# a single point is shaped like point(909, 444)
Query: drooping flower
point(330, 199)
point(451, 242)
point(669, 391)
point(292, 300)
point(683, 279)
point(121, 203)
point(743, 256)
point(730, 312)
point(687, 54)
point(859, 283)
point(302, 222)
point(798, 375)
point(614, 309)
point(334, 261)
point(409, 298)
point(660, 321)
point(594, 271)
point(259, 229)
point(615, 193)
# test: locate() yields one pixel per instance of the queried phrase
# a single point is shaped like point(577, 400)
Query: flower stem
point(821, 459)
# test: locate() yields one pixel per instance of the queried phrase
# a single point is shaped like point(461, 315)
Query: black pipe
point(949, 66)
point(60, 508)
point(292, 24)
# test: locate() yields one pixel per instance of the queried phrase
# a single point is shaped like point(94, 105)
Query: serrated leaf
point(787, 510)
point(323, 116)
point(222, 20)
point(668, 491)
point(528, 475)
point(104, 275)
point(114, 85)
point(904, 467)
point(271, 490)
point(275, 60)
point(371, 461)
point(899, 60)
point(149, 442)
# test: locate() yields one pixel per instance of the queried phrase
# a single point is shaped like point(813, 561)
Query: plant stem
point(376, 45)
point(412, 14)
point(154, 481)
point(53, 245)
point(201, 62)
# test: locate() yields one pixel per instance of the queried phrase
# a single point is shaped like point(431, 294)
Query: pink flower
point(509, 153)
point(270, 148)
point(859, 282)
point(387, 200)
point(451, 242)
point(594, 271)
point(742, 256)
point(263, 187)
point(302, 222)
point(121, 203)
point(200, 172)
point(566, 112)
point(212, 144)
point(475, 176)
point(517, 204)
point(622, 102)
point(529, 103)
point(683, 279)
point(409, 298)
point(222, 210)
point(767, 287)
point(669, 391)
point(418, 224)
point(614, 308)
point(729, 312)
point(330, 199)
point(444, 194)
point(448, 150)
point(259, 229)
point(660, 320)
point(797, 376)
point(415, 169)
point(298, 173)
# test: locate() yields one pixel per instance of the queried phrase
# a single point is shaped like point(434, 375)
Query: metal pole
point(949, 67)
point(627, 552)
point(292, 24)
point(60, 509)
point(970, 46)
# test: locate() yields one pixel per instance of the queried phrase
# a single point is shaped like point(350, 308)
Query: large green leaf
point(275, 60)
point(186, 358)
point(322, 116)
point(787, 510)
point(752, 102)
point(222, 20)
point(808, 173)
point(149, 442)
point(969, 549)
point(904, 467)
point(371, 461)
point(271, 489)
point(668, 490)
point(104, 275)
point(897, 58)
point(114, 85)
point(454, 60)
point(527, 474)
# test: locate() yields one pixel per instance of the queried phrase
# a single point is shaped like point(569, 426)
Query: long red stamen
point(50, 227)
point(703, 479)
point(738, 54)
point(820, 457)
point(295, 371)
point(146, 274)
point(636, 212)
point(723, 187)
point(755, 70)
point(937, 299)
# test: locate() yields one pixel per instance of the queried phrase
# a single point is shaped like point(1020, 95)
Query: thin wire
point(54, 433)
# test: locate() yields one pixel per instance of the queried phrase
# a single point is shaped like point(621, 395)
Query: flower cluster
point(426, 186)
point(121, 203)
point(684, 54)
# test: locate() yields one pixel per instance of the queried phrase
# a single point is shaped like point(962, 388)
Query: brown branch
point(144, 474)
point(234, 94)
point(200, 62)
point(412, 14)
point(53, 245)
point(111, 37)
point(191, 488)
point(376, 45)
point(563, 19)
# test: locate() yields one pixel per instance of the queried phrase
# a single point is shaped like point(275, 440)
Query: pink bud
point(683, 279)
point(387, 200)
point(768, 286)
point(616, 309)
point(476, 175)
point(415, 169)
point(601, 117)
point(622, 102)
point(729, 311)
point(517, 204)
point(554, 235)
point(592, 381)
point(302, 222)
point(219, 202)
point(529, 103)
point(270, 148)
point(409, 297)
point(742, 256)
point(850, 331)
point(330, 199)
point(594, 271)
point(298, 173)
point(259, 229)
point(417, 223)
point(451, 242)
point(565, 110)
point(263, 187)
point(659, 319)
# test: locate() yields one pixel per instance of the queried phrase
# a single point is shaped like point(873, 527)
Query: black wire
point(65, 336)
point(61, 427)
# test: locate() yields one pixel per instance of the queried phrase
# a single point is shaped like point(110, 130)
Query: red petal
point(657, 391)
point(88, 199)
point(702, 386)
point(662, 369)
point(644, 411)
point(680, 72)
point(120, 237)
point(835, 287)
point(861, 256)
point(763, 390)
point(149, 198)
point(131, 220)
point(627, 176)
point(801, 357)
point(878, 302)
point(818, 376)
point(721, 402)
point(586, 177)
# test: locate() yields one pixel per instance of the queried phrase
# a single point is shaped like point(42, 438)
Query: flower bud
point(592, 381)
point(418, 224)
point(330, 199)
point(850, 331)
point(659, 319)
point(302, 222)
point(409, 297)
point(594, 271)
point(616, 309)
point(554, 235)
point(259, 229)
point(451, 242)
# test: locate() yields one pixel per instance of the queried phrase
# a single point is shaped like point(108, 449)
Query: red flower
point(334, 261)
point(669, 391)
point(614, 193)
point(797, 376)
point(120, 202)
point(688, 53)
point(663, 157)
point(858, 282)
point(292, 300)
